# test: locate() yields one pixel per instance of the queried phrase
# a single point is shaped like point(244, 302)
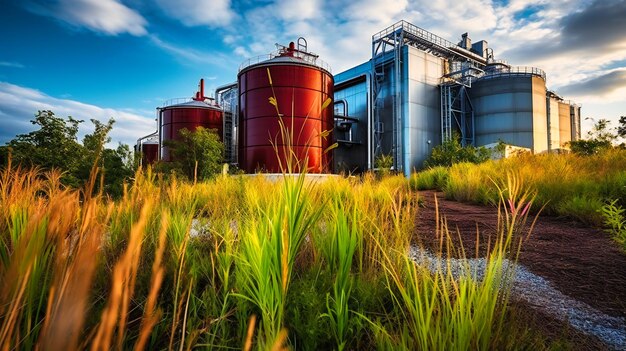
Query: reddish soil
point(581, 262)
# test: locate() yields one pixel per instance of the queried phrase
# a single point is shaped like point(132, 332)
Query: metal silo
point(510, 106)
point(290, 86)
point(199, 112)
point(575, 120)
point(565, 124)
point(554, 136)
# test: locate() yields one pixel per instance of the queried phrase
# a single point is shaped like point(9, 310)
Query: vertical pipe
point(370, 131)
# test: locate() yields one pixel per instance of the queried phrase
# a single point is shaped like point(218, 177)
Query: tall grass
point(236, 262)
point(449, 304)
point(566, 184)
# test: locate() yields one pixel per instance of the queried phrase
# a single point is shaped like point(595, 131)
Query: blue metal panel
point(353, 72)
point(350, 157)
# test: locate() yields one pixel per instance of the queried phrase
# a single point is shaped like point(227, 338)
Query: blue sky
point(123, 58)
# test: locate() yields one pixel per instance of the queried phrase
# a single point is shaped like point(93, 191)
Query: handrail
point(177, 101)
point(309, 59)
point(442, 45)
point(514, 71)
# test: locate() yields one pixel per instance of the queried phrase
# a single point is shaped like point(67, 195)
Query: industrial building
point(415, 92)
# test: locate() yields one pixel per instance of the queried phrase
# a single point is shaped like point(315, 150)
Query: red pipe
point(202, 88)
point(200, 93)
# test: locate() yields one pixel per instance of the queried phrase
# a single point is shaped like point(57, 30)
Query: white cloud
point(572, 40)
point(199, 12)
point(192, 55)
point(298, 10)
point(109, 17)
point(609, 86)
point(19, 104)
point(11, 64)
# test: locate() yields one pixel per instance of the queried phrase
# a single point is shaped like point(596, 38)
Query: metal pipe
point(368, 86)
point(370, 131)
point(200, 93)
point(222, 88)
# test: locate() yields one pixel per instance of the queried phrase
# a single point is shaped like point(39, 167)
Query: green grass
point(274, 264)
point(567, 185)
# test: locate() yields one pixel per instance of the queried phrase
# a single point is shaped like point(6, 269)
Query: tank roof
point(190, 104)
point(275, 59)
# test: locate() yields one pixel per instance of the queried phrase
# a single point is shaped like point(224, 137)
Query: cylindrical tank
point(510, 106)
point(575, 115)
point(190, 115)
point(565, 124)
point(292, 87)
point(554, 136)
point(149, 153)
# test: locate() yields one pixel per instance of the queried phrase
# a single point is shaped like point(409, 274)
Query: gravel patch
point(539, 293)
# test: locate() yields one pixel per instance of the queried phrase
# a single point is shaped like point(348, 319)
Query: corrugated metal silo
point(510, 106)
point(575, 121)
point(554, 140)
point(565, 124)
point(300, 84)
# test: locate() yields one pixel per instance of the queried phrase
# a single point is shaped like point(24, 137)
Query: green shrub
point(434, 178)
point(615, 220)
point(583, 208)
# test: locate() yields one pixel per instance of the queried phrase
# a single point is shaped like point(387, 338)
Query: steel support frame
point(394, 38)
point(457, 112)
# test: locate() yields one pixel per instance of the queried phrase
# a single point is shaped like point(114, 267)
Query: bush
point(434, 178)
point(451, 152)
point(615, 220)
point(583, 208)
point(567, 184)
point(197, 154)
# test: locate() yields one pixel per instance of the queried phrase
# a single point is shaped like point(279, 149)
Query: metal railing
point(416, 31)
point(514, 71)
point(309, 59)
point(430, 40)
point(176, 101)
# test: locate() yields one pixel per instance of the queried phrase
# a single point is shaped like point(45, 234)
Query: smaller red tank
point(149, 153)
point(200, 111)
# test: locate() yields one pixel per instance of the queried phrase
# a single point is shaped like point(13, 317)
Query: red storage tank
point(301, 85)
point(199, 112)
point(149, 153)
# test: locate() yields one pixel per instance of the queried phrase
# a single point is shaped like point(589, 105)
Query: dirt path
point(581, 262)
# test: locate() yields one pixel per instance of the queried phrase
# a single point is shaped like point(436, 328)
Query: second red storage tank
point(199, 112)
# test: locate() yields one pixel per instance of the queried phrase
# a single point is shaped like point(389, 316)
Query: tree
point(451, 152)
point(55, 146)
point(621, 128)
point(116, 164)
point(599, 138)
point(197, 155)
